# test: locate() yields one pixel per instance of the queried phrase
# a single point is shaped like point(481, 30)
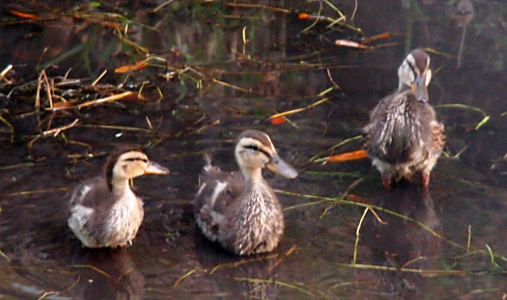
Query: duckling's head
point(254, 150)
point(415, 74)
point(128, 162)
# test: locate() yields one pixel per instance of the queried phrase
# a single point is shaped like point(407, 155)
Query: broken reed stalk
point(57, 131)
point(97, 101)
point(5, 71)
point(356, 243)
point(49, 88)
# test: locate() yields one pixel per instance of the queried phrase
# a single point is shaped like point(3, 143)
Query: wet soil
point(447, 242)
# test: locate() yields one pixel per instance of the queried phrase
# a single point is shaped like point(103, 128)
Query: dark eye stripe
point(253, 147)
point(256, 148)
point(412, 68)
point(136, 159)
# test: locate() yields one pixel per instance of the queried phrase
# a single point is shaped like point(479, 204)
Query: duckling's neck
point(120, 186)
point(402, 87)
point(252, 176)
point(255, 186)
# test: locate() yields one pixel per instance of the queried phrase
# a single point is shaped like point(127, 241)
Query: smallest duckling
point(104, 211)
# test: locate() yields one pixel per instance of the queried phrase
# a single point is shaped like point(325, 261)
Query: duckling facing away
point(404, 136)
point(239, 210)
point(104, 212)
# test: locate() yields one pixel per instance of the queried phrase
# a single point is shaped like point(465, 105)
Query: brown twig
point(57, 131)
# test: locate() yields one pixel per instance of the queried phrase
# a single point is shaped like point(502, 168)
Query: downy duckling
point(239, 210)
point(403, 136)
point(104, 211)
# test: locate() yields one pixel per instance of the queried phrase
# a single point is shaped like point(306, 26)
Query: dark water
point(282, 67)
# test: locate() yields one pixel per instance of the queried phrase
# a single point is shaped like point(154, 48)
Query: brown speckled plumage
point(239, 210)
point(104, 212)
point(403, 136)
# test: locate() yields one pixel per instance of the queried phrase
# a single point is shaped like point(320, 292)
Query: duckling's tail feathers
point(208, 167)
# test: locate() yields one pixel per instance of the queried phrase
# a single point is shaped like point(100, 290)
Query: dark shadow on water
point(398, 243)
point(106, 274)
point(234, 277)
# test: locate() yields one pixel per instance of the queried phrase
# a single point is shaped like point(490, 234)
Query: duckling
point(403, 136)
point(104, 211)
point(239, 210)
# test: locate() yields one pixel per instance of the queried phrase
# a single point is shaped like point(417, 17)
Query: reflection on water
point(238, 277)
point(228, 68)
point(398, 243)
point(106, 274)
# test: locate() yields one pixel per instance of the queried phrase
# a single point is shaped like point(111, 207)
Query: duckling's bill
point(154, 168)
point(419, 89)
point(278, 166)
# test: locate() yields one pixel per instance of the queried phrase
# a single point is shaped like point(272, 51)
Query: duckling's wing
point(393, 133)
point(218, 189)
point(88, 206)
point(215, 197)
point(92, 193)
point(438, 137)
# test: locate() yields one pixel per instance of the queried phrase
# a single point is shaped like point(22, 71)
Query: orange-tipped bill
point(154, 168)
point(278, 166)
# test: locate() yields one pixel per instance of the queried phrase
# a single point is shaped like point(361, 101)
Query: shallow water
point(440, 245)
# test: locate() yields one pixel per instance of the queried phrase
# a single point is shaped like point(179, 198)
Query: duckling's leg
point(425, 179)
point(386, 180)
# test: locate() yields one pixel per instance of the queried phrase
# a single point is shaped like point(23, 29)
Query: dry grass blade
point(57, 131)
point(468, 107)
point(298, 109)
point(11, 128)
point(341, 200)
point(99, 78)
point(185, 276)
point(124, 128)
point(4, 255)
point(429, 273)
point(243, 262)
point(24, 193)
point(231, 86)
point(284, 284)
point(62, 291)
point(21, 165)
point(130, 43)
point(244, 5)
point(358, 229)
point(99, 101)
point(5, 71)
point(235, 264)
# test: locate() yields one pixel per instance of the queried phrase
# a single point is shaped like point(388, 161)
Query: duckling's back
point(400, 129)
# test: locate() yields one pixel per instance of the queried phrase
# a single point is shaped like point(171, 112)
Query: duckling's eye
point(137, 158)
point(253, 147)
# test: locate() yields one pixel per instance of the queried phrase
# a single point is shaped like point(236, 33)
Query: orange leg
point(386, 181)
point(425, 179)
